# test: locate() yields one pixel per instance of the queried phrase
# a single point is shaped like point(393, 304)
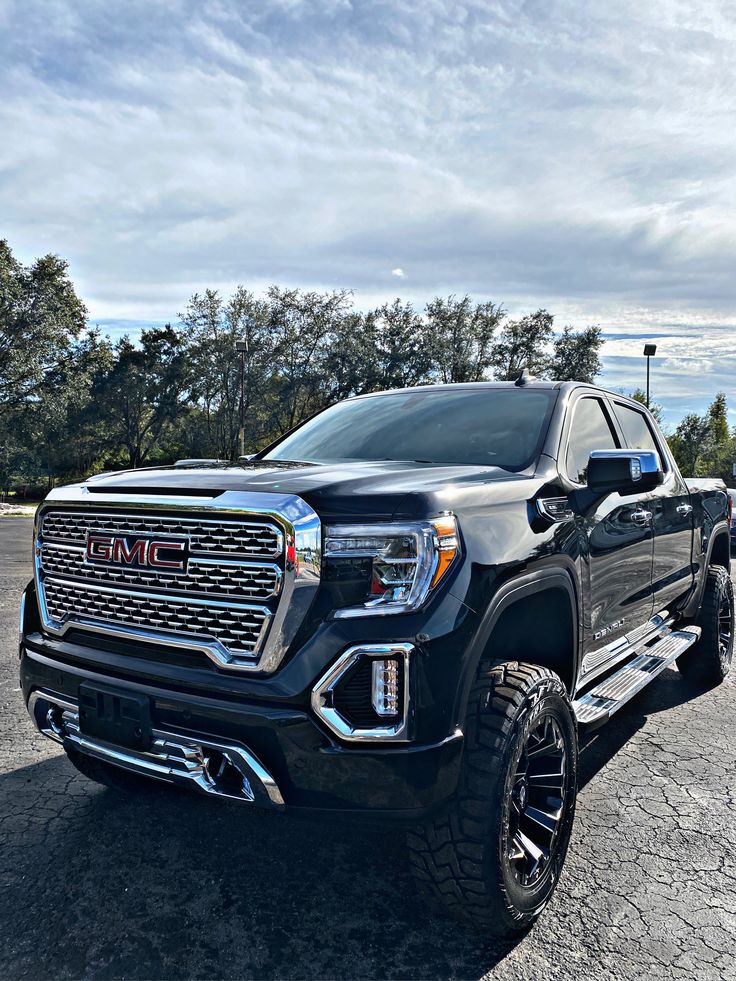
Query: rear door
point(617, 541)
point(672, 515)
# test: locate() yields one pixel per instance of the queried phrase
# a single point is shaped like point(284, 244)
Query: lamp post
point(649, 351)
point(242, 348)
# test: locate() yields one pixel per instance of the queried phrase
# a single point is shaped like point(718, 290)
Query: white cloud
point(567, 155)
point(688, 366)
point(399, 272)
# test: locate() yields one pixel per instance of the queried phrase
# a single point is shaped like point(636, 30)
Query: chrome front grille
point(237, 629)
point(205, 535)
point(236, 600)
point(204, 576)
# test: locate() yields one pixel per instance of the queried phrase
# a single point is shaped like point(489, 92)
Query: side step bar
point(597, 706)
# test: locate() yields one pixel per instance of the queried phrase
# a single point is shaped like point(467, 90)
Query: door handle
point(684, 509)
point(641, 517)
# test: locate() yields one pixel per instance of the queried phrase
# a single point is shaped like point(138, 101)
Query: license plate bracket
point(115, 716)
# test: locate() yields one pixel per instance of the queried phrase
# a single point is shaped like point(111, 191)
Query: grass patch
point(17, 510)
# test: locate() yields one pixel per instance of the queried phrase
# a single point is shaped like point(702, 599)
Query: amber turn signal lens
point(446, 544)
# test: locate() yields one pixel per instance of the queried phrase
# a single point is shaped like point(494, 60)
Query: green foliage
point(44, 360)
point(40, 315)
point(687, 442)
point(576, 356)
point(717, 461)
point(523, 344)
point(71, 402)
point(460, 337)
point(703, 445)
point(717, 418)
point(143, 392)
point(639, 395)
point(530, 343)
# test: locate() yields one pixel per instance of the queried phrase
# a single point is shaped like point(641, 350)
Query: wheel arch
point(516, 620)
point(718, 553)
point(720, 549)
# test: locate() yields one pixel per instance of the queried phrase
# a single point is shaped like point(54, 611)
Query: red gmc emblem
point(142, 553)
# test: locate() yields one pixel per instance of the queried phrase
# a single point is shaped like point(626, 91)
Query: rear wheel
point(495, 858)
point(709, 661)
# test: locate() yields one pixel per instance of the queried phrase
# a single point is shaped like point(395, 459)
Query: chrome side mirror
point(624, 471)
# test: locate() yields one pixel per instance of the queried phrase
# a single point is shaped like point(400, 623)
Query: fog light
point(365, 695)
point(385, 687)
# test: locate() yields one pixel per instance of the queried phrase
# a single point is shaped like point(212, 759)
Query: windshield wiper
point(390, 459)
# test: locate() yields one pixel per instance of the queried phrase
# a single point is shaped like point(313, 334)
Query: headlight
point(404, 561)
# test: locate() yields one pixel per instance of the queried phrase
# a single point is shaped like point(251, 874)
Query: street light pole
point(242, 348)
point(649, 351)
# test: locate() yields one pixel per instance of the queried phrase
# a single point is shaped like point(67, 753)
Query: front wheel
point(494, 859)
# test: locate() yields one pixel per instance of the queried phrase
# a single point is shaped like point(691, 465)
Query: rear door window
point(636, 429)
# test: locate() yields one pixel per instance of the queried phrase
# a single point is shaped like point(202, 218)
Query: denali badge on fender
point(141, 553)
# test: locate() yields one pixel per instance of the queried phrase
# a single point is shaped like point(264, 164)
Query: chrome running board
point(597, 706)
point(209, 766)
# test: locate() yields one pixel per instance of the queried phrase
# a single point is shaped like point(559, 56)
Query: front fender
point(510, 592)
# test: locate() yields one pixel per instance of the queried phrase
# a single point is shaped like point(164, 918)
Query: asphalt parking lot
point(168, 885)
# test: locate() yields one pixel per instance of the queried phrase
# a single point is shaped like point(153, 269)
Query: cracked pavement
point(168, 885)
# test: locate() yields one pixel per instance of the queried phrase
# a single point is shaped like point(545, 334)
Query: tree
point(40, 315)
point(350, 366)
point(718, 461)
point(72, 402)
point(40, 318)
point(523, 344)
point(687, 442)
point(397, 339)
point(639, 395)
point(459, 336)
point(143, 392)
point(717, 419)
point(718, 453)
point(703, 445)
point(576, 356)
point(302, 326)
point(68, 428)
point(212, 326)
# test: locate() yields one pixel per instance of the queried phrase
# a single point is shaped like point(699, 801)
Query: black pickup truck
point(407, 607)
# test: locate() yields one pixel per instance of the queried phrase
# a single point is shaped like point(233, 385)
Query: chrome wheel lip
point(538, 802)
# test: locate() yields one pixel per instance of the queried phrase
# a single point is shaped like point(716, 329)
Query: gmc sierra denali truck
point(408, 606)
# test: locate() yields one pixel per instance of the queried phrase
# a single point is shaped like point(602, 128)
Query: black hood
point(377, 490)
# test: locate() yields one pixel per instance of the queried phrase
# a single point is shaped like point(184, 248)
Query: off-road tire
point(708, 662)
point(108, 775)
point(460, 859)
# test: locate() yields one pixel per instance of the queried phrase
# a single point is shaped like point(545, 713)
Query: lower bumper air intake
point(216, 768)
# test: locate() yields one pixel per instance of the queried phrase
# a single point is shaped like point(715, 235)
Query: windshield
point(483, 427)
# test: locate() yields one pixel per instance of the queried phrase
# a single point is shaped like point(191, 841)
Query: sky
point(567, 155)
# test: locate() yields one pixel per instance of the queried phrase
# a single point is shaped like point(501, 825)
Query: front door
point(616, 545)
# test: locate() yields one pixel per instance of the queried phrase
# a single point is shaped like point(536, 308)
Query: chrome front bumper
point(210, 767)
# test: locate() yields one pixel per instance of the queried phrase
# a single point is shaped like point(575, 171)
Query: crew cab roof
point(539, 384)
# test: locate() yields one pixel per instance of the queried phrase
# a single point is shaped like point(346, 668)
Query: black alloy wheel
point(537, 802)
